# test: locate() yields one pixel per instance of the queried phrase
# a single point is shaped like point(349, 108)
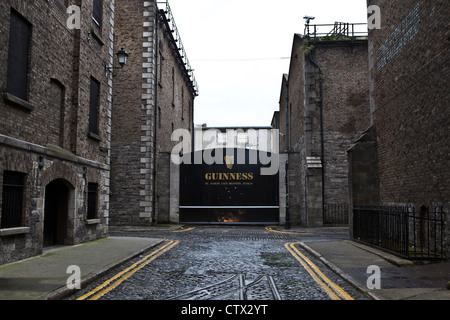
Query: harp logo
point(229, 160)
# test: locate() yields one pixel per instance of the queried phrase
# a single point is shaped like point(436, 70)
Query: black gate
point(231, 192)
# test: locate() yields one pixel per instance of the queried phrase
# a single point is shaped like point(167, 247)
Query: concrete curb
point(382, 254)
point(64, 292)
point(341, 273)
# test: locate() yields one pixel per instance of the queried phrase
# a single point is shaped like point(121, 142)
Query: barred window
point(18, 56)
point(12, 199)
point(92, 201)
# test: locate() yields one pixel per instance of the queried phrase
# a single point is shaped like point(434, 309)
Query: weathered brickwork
point(409, 66)
point(46, 136)
point(345, 109)
point(153, 96)
point(324, 108)
point(409, 95)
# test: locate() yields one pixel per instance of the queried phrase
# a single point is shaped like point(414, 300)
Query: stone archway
point(56, 212)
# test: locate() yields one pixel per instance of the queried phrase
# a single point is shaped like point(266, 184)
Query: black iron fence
point(402, 230)
point(335, 214)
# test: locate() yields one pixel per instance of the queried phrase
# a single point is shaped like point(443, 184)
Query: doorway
point(56, 213)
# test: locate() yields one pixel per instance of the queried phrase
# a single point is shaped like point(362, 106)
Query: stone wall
point(345, 109)
point(43, 165)
point(46, 136)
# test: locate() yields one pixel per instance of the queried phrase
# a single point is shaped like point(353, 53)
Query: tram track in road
point(236, 287)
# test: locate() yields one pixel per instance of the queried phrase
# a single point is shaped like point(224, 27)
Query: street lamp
point(122, 56)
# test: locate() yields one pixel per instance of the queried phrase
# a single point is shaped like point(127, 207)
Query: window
point(190, 114)
point(97, 12)
point(161, 64)
point(18, 56)
point(173, 86)
point(63, 4)
point(182, 103)
point(57, 107)
point(159, 117)
point(221, 138)
point(12, 199)
point(94, 106)
point(92, 201)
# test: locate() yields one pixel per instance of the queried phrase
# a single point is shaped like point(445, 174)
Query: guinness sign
point(229, 160)
point(230, 192)
point(229, 176)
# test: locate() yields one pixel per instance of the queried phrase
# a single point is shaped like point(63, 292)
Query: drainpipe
point(322, 145)
point(288, 149)
point(155, 120)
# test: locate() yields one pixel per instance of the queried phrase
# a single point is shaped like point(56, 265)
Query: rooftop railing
point(165, 7)
point(336, 31)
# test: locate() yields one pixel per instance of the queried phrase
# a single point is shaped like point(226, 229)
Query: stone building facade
point(55, 124)
point(324, 103)
point(153, 95)
point(407, 148)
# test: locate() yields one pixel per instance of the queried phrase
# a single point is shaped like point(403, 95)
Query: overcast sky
point(238, 49)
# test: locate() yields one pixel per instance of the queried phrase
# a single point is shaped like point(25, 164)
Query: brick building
point(324, 103)
point(153, 96)
point(55, 124)
point(403, 160)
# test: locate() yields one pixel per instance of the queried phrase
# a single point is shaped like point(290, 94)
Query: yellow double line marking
point(113, 282)
point(334, 291)
point(184, 230)
point(287, 232)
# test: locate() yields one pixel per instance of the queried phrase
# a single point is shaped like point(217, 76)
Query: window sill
point(94, 136)
point(98, 37)
point(14, 231)
point(92, 221)
point(12, 99)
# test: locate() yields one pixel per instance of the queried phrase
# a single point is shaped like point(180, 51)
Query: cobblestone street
point(225, 263)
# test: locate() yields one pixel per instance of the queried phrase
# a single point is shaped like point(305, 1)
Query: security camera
point(308, 19)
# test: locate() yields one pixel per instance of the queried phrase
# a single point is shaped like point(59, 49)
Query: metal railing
point(402, 230)
point(336, 31)
point(164, 7)
point(335, 214)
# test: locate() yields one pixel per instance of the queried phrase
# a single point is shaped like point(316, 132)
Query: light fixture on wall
point(122, 56)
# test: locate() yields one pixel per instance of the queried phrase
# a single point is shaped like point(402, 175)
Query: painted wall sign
point(402, 36)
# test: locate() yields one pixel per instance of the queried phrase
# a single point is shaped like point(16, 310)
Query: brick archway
point(60, 171)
